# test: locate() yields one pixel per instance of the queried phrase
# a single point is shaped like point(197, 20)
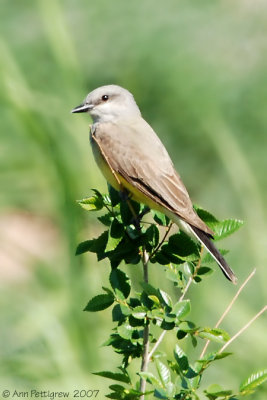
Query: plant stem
point(145, 355)
point(190, 280)
point(156, 345)
point(229, 308)
point(242, 329)
point(162, 241)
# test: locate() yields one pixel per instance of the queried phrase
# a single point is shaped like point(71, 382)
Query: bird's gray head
point(109, 103)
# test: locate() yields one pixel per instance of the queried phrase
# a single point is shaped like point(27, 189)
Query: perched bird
point(132, 157)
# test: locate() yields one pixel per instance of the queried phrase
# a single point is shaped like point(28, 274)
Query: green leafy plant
point(142, 319)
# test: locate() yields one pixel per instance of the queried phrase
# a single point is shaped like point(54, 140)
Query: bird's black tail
point(208, 244)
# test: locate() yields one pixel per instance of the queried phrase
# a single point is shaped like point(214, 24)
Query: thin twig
point(190, 280)
point(228, 308)
point(145, 354)
point(156, 345)
point(242, 329)
point(161, 242)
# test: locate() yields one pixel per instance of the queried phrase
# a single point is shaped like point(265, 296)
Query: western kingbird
point(132, 157)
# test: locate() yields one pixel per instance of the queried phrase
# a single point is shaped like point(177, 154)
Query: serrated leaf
point(93, 203)
point(215, 335)
point(181, 334)
point(253, 381)
point(139, 312)
point(215, 356)
point(107, 290)
point(120, 283)
point(225, 228)
point(188, 326)
point(160, 218)
point(114, 375)
point(106, 219)
point(161, 393)
point(205, 271)
point(117, 315)
point(214, 391)
point(182, 308)
point(115, 235)
point(125, 331)
point(181, 358)
point(149, 289)
point(114, 395)
point(117, 388)
point(100, 302)
point(94, 245)
point(166, 298)
point(150, 378)
point(114, 196)
point(205, 215)
point(221, 229)
point(183, 246)
point(164, 372)
point(167, 326)
point(152, 236)
point(155, 299)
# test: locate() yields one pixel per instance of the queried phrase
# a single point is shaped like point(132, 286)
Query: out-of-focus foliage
point(198, 72)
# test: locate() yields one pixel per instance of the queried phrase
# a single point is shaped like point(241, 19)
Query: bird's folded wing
point(136, 153)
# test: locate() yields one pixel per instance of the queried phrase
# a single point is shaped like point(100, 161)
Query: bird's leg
point(126, 196)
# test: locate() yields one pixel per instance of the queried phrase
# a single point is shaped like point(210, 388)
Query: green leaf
point(113, 375)
point(115, 235)
point(181, 358)
point(155, 299)
point(205, 271)
point(165, 256)
point(120, 283)
point(215, 391)
point(160, 218)
point(182, 245)
point(94, 246)
point(161, 393)
point(100, 302)
point(106, 219)
point(221, 229)
point(206, 216)
point(167, 326)
point(149, 289)
point(150, 378)
point(182, 308)
point(117, 315)
point(152, 236)
point(215, 335)
point(139, 312)
point(164, 373)
point(166, 298)
point(217, 356)
point(188, 326)
point(126, 213)
point(226, 228)
point(125, 331)
point(114, 196)
point(93, 203)
point(181, 334)
point(253, 381)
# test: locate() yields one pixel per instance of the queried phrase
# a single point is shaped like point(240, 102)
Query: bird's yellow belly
point(119, 182)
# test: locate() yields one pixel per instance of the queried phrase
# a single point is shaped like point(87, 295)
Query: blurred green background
point(198, 73)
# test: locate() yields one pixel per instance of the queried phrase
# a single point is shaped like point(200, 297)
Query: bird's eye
point(105, 97)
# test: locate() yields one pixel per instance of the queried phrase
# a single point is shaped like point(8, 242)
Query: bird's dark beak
point(82, 108)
